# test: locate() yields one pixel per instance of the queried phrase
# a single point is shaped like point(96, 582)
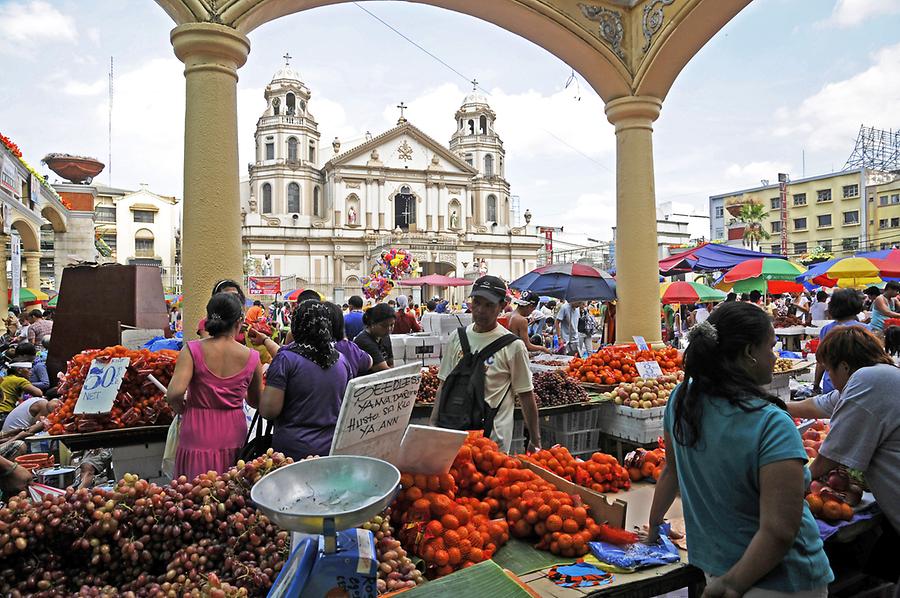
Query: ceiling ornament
point(405, 151)
point(652, 20)
point(611, 29)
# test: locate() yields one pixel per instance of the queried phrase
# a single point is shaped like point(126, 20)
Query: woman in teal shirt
point(738, 459)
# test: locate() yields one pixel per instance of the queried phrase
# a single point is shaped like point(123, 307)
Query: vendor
point(15, 384)
point(739, 463)
point(865, 426)
point(518, 322)
point(885, 306)
point(39, 377)
point(305, 386)
point(376, 338)
point(26, 418)
point(844, 306)
point(13, 478)
point(507, 374)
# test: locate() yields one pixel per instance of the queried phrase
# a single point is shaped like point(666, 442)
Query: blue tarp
point(160, 342)
point(709, 257)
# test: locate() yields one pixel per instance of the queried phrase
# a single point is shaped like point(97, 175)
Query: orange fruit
point(570, 526)
point(846, 512)
point(449, 521)
point(815, 503)
point(451, 538)
point(441, 558)
point(832, 510)
point(554, 523)
point(564, 541)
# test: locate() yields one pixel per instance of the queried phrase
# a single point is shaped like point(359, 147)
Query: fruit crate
point(637, 425)
point(574, 421)
point(577, 442)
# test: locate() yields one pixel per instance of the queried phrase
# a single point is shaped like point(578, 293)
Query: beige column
point(4, 284)
point(637, 262)
point(212, 219)
point(32, 269)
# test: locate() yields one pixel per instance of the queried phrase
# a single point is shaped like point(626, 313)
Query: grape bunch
point(428, 386)
point(395, 570)
point(555, 388)
point(198, 538)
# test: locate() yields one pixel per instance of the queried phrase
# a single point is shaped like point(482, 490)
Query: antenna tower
point(876, 149)
point(109, 118)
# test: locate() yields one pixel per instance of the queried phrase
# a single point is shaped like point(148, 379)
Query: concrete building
point(678, 227)
point(826, 211)
point(324, 215)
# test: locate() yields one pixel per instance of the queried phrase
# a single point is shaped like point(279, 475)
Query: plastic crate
point(576, 442)
point(574, 421)
point(638, 425)
point(518, 429)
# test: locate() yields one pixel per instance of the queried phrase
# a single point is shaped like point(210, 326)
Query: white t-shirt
point(20, 417)
point(818, 310)
point(507, 375)
point(701, 315)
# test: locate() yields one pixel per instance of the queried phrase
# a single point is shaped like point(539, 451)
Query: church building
point(324, 215)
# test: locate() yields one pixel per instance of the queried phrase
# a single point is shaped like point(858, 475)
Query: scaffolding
point(876, 149)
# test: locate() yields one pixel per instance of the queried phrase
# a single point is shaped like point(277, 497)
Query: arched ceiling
point(620, 47)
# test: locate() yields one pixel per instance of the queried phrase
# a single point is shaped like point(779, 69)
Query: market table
point(135, 450)
point(790, 337)
point(645, 583)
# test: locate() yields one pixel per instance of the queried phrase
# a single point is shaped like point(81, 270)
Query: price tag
point(648, 369)
point(425, 350)
point(101, 386)
point(641, 343)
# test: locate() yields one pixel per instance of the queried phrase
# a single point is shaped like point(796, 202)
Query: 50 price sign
point(101, 386)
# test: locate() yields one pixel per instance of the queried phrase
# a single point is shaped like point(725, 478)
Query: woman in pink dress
point(212, 378)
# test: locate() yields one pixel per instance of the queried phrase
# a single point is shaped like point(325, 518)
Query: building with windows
point(325, 215)
point(825, 211)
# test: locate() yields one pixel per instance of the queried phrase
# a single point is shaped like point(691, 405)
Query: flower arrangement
point(11, 146)
point(14, 149)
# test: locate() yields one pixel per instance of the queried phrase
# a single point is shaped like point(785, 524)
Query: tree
point(752, 216)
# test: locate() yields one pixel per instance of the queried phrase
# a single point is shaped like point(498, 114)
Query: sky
point(783, 87)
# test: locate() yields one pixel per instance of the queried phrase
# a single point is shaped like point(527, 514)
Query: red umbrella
point(889, 265)
point(435, 280)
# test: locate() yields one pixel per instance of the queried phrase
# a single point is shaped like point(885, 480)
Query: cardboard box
point(612, 513)
point(422, 347)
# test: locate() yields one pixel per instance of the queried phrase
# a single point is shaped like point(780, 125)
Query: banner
point(35, 188)
point(16, 265)
point(8, 174)
point(264, 285)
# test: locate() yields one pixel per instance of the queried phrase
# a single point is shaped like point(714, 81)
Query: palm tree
point(753, 214)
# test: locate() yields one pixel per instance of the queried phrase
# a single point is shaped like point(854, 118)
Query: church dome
point(286, 72)
point(475, 97)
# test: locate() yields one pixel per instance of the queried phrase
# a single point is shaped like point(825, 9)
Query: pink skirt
point(210, 440)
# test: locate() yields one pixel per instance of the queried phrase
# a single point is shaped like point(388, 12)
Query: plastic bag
point(168, 460)
point(637, 555)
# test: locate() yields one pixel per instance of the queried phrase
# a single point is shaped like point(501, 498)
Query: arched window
point(291, 104)
point(276, 106)
point(471, 127)
point(293, 198)
point(266, 198)
point(317, 202)
point(489, 165)
point(404, 208)
point(144, 243)
point(492, 208)
point(312, 151)
point(482, 125)
point(292, 149)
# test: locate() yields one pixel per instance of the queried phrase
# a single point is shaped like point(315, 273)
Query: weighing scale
point(325, 499)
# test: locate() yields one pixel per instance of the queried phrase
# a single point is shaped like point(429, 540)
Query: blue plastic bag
point(637, 555)
point(790, 355)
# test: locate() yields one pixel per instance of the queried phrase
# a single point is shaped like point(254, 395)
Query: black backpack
point(462, 404)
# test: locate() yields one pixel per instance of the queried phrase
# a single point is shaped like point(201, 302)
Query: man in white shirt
point(567, 326)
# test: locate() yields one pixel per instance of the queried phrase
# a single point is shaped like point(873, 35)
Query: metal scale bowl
point(329, 497)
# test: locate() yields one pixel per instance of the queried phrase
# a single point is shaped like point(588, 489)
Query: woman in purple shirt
point(359, 360)
point(305, 385)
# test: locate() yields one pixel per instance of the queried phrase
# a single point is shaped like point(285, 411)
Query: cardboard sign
point(101, 386)
point(137, 338)
point(648, 369)
point(429, 450)
point(641, 343)
point(424, 350)
point(375, 413)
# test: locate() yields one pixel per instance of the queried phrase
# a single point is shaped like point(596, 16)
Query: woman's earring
point(754, 360)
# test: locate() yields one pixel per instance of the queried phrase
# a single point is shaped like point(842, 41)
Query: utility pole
point(782, 187)
point(548, 240)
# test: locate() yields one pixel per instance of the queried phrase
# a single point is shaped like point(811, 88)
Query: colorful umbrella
point(688, 292)
point(764, 269)
point(767, 287)
point(27, 295)
point(53, 301)
point(572, 282)
point(889, 265)
point(436, 280)
point(292, 295)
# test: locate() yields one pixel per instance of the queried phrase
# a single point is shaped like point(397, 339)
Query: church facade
point(324, 215)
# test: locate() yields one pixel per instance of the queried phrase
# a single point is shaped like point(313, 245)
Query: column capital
point(208, 46)
point(31, 254)
point(633, 112)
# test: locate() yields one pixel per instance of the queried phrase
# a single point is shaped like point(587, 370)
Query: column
point(32, 269)
point(4, 284)
point(212, 218)
point(637, 267)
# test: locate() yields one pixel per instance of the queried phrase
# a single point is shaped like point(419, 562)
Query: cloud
point(590, 215)
point(530, 122)
point(830, 118)
point(753, 172)
point(25, 25)
point(79, 88)
point(849, 13)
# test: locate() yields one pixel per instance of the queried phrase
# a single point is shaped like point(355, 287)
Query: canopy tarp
point(436, 280)
point(708, 257)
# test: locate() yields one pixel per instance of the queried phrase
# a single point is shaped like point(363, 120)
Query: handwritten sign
point(101, 386)
point(648, 369)
point(375, 413)
point(641, 343)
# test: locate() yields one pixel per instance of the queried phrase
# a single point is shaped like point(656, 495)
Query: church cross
point(287, 59)
point(406, 213)
point(402, 107)
point(474, 84)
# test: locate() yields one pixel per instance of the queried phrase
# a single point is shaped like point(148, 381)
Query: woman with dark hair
point(885, 307)
point(305, 385)
point(376, 338)
point(219, 373)
point(225, 286)
point(844, 307)
point(359, 360)
point(738, 460)
point(865, 426)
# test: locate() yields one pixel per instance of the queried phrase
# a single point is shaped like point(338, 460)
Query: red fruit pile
point(601, 473)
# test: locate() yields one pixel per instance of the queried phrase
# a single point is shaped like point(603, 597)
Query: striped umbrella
point(292, 296)
point(27, 295)
point(764, 269)
point(688, 292)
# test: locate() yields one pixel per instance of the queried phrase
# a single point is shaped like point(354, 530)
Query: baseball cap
point(528, 298)
point(489, 287)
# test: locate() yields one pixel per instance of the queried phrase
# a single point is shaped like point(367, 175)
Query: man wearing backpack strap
point(482, 372)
